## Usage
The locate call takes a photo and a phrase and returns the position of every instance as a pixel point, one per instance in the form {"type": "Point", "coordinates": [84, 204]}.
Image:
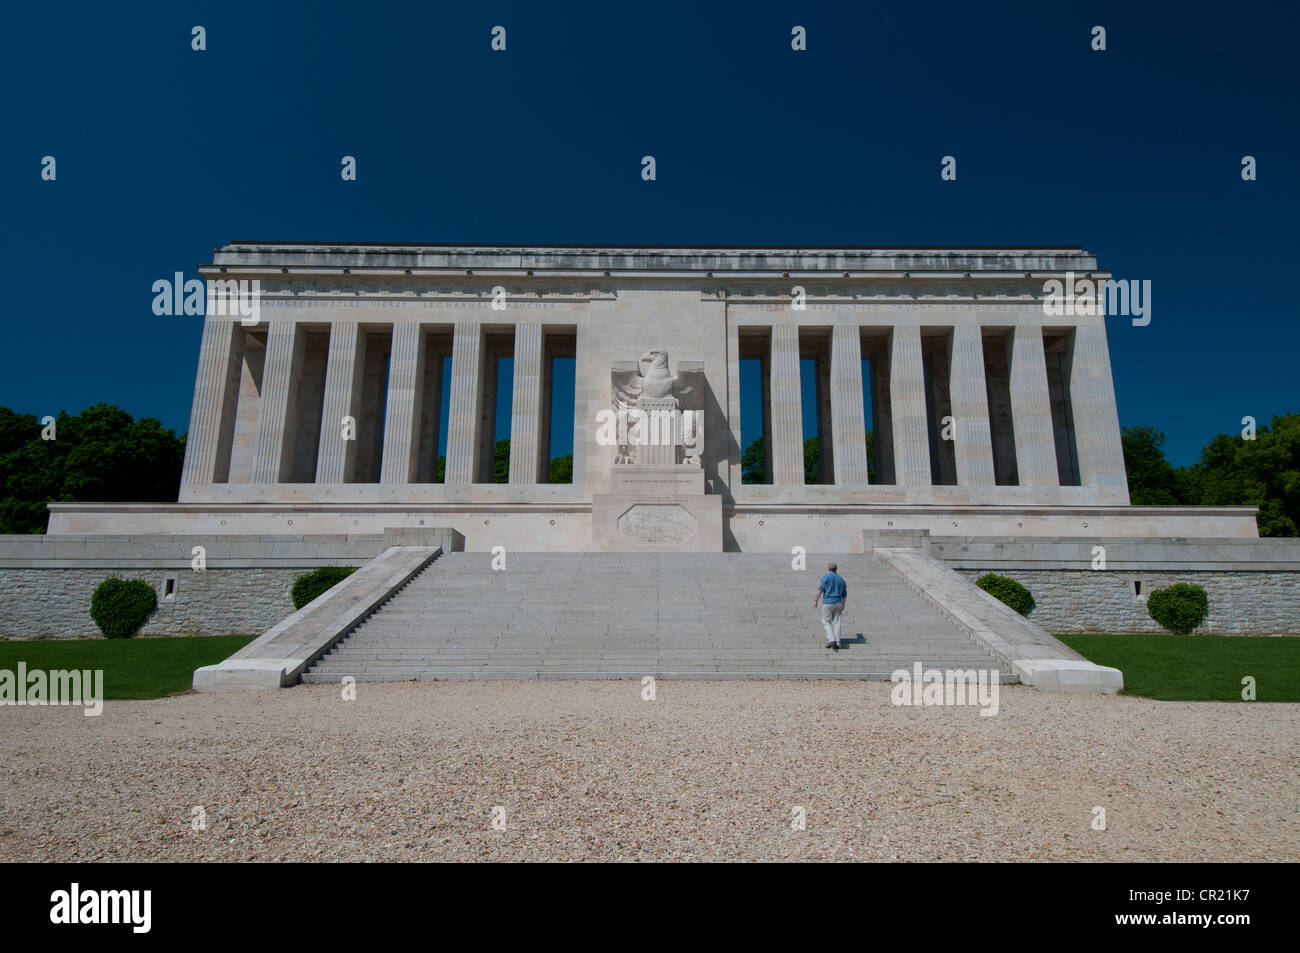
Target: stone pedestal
{"type": "Point", "coordinates": [656, 508]}
{"type": "Point", "coordinates": [660, 431]}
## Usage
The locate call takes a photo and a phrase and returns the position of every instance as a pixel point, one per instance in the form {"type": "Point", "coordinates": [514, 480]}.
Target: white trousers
{"type": "Point", "coordinates": [831, 620]}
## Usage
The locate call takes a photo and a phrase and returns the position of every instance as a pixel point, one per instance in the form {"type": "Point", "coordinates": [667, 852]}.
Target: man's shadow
{"type": "Point", "coordinates": [858, 639]}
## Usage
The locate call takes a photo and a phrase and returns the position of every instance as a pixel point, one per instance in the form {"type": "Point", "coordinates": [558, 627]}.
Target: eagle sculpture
{"type": "Point", "coordinates": [651, 379]}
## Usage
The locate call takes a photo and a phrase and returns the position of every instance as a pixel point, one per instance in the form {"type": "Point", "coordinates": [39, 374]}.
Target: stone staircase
{"type": "Point", "coordinates": [613, 615]}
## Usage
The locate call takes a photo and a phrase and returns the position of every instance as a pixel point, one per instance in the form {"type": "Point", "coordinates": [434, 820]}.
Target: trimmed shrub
{"type": "Point", "coordinates": [1008, 591]}
{"type": "Point", "coordinates": [121, 606]}
{"type": "Point", "coordinates": [310, 585]}
{"type": "Point", "coordinates": [1180, 608]}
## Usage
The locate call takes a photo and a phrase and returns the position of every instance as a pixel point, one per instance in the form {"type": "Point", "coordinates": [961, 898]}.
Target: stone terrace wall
{"type": "Point", "coordinates": [1253, 585]}
{"type": "Point", "coordinates": [1241, 602]}
{"type": "Point", "coordinates": [55, 603]}
{"type": "Point", "coordinates": [46, 581]}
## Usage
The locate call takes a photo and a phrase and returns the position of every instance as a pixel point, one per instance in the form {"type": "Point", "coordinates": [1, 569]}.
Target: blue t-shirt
{"type": "Point", "coordinates": [833, 588]}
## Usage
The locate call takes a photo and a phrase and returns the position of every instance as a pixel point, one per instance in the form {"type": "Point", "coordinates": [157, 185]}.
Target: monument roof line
{"type": "Point", "coordinates": [599, 246]}
{"type": "Point", "coordinates": [326, 271]}
{"type": "Point", "coordinates": [750, 262]}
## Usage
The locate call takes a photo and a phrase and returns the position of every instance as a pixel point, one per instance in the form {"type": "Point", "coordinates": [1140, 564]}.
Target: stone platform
{"type": "Point", "coordinates": [569, 526]}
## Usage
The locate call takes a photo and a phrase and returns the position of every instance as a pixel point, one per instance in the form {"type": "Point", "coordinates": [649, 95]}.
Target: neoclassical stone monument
{"type": "Point", "coordinates": [321, 412]}
{"type": "Point", "coordinates": [323, 416]}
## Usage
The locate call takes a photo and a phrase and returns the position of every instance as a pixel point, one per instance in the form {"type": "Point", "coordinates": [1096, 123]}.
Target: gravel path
{"type": "Point", "coordinates": [707, 771]}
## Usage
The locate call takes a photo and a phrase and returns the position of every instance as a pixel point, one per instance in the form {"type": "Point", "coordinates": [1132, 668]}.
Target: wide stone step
{"type": "Point", "coordinates": [565, 615]}
{"type": "Point", "coordinates": [534, 675]}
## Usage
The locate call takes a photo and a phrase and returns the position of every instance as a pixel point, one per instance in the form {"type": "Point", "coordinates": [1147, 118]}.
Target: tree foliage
{"type": "Point", "coordinates": [753, 463]}
{"type": "Point", "coordinates": [501, 461]}
{"type": "Point", "coordinates": [561, 469]}
{"type": "Point", "coordinates": [1232, 471]}
{"type": "Point", "coordinates": [1152, 480]}
{"type": "Point", "coordinates": [812, 461]}
{"type": "Point", "coordinates": [312, 584]}
{"type": "Point", "coordinates": [101, 455]}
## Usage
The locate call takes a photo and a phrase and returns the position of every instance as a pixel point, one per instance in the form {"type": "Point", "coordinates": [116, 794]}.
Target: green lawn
{"type": "Point", "coordinates": [1198, 667]}
{"type": "Point", "coordinates": [1166, 667]}
{"type": "Point", "coordinates": [133, 668]}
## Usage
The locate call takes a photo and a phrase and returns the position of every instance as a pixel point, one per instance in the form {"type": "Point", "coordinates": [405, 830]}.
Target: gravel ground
{"type": "Point", "coordinates": [706, 771]}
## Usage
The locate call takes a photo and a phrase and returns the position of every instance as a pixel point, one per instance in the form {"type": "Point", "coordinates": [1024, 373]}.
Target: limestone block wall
{"type": "Point", "coordinates": [41, 603]}
{"type": "Point", "coordinates": [55, 603]}
{"type": "Point", "coordinates": [46, 582]}
{"type": "Point", "coordinates": [1080, 600]}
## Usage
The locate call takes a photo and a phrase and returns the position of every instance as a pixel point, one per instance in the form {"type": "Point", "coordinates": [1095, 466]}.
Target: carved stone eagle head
{"type": "Point", "coordinates": [656, 380]}
{"type": "Point", "coordinates": [658, 361]}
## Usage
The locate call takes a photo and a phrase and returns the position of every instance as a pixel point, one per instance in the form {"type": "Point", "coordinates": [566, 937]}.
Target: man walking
{"type": "Point", "coordinates": [833, 592]}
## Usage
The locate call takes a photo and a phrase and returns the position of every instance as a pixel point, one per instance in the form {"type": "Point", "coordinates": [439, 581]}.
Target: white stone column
{"type": "Point", "coordinates": [1031, 409]}
{"type": "Point", "coordinates": [734, 470]}
{"type": "Point", "coordinates": [212, 415]}
{"type": "Point", "coordinates": [786, 452]}
{"type": "Point", "coordinates": [848, 421]}
{"type": "Point", "coordinates": [1096, 417]}
{"type": "Point", "coordinates": [402, 413]}
{"type": "Point", "coordinates": [526, 412]}
{"type": "Point", "coordinates": [907, 407]}
{"type": "Point", "coordinates": [336, 458]}
{"type": "Point", "coordinates": [462, 406]}
{"type": "Point", "coordinates": [970, 409]}
{"type": "Point", "coordinates": [590, 396]}
{"type": "Point", "coordinates": [278, 409]}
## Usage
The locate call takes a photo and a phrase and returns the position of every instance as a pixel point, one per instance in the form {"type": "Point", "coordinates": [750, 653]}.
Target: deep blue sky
{"type": "Point", "coordinates": [1134, 153]}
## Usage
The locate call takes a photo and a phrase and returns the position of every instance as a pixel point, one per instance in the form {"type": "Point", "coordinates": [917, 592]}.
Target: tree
{"type": "Point", "coordinates": [753, 463]}
{"type": "Point", "coordinates": [1232, 471]}
{"type": "Point", "coordinates": [1152, 480]}
{"type": "Point", "coordinates": [561, 469]}
{"type": "Point", "coordinates": [1263, 472]}
{"type": "Point", "coordinates": [871, 457]}
{"type": "Point", "coordinates": [812, 461]}
{"type": "Point", "coordinates": [101, 455]}
{"type": "Point", "coordinates": [501, 461]}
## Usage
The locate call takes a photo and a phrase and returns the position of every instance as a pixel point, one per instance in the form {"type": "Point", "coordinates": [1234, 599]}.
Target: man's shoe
{"type": "Point", "coordinates": [838, 646]}
{"type": "Point", "coordinates": [829, 644]}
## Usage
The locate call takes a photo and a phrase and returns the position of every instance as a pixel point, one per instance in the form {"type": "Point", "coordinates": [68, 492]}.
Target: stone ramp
{"type": "Point", "coordinates": [611, 615]}
{"type": "Point", "coordinates": [1036, 657]}
{"type": "Point", "coordinates": [280, 655]}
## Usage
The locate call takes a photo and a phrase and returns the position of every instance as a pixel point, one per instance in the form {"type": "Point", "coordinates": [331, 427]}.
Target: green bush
{"type": "Point", "coordinates": [1007, 590]}
{"type": "Point", "coordinates": [120, 606]}
{"type": "Point", "coordinates": [310, 585]}
{"type": "Point", "coordinates": [1180, 608]}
